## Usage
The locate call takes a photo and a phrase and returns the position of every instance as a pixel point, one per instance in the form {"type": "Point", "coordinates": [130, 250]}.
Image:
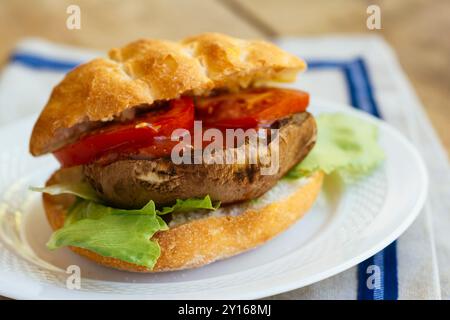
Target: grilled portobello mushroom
{"type": "Point", "coordinates": [131, 183]}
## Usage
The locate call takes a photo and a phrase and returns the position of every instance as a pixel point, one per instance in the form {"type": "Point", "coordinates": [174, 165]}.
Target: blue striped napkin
{"type": "Point", "coordinates": [361, 71]}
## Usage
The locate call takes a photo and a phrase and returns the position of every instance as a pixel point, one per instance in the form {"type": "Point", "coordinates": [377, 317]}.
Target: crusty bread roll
{"type": "Point", "coordinates": [194, 240]}
{"type": "Point", "coordinates": [146, 71]}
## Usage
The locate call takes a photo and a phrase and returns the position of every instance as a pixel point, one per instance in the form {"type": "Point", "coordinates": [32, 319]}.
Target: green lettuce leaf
{"type": "Point", "coordinates": [345, 144]}
{"type": "Point", "coordinates": [111, 232]}
{"type": "Point", "coordinates": [82, 209]}
{"type": "Point", "coordinates": [118, 233]}
{"type": "Point", "coordinates": [81, 189]}
{"type": "Point", "coordinates": [190, 205]}
{"type": "Point", "coordinates": [84, 191]}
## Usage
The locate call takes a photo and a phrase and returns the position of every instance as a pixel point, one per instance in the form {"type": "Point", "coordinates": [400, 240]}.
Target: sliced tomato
{"type": "Point", "coordinates": [149, 134]}
{"type": "Point", "coordinates": [250, 108]}
{"type": "Point", "coordinates": [143, 131]}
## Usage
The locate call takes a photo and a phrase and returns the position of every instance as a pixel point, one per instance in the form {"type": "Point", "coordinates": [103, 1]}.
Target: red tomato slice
{"type": "Point", "coordinates": [250, 108]}
{"type": "Point", "coordinates": [149, 134]}
{"type": "Point", "coordinates": [141, 132]}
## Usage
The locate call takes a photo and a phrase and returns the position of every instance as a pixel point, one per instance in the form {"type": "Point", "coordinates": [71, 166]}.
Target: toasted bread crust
{"type": "Point", "coordinates": [150, 70]}
{"type": "Point", "coordinates": [200, 242]}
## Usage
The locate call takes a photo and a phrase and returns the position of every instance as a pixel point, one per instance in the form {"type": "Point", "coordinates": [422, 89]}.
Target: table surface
{"type": "Point", "coordinates": [417, 30]}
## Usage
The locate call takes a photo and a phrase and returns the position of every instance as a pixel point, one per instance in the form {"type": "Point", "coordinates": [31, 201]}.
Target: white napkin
{"type": "Point", "coordinates": [423, 252]}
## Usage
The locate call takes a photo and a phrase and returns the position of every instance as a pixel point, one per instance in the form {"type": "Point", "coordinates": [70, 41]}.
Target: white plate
{"type": "Point", "coordinates": [339, 232]}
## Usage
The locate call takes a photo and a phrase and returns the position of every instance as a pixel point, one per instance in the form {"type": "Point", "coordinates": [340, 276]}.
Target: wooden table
{"type": "Point", "coordinates": [418, 30]}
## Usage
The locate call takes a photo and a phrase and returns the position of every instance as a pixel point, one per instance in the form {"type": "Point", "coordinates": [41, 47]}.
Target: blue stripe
{"type": "Point", "coordinates": [390, 274]}
{"type": "Point", "coordinates": [326, 64]}
{"type": "Point", "coordinates": [384, 263]}
{"type": "Point", "coordinates": [378, 292]}
{"type": "Point", "coordinates": [360, 87]}
{"type": "Point", "coordinates": [38, 62]}
{"type": "Point", "coordinates": [361, 96]}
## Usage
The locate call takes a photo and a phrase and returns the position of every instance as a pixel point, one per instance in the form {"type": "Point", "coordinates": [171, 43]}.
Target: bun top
{"type": "Point", "coordinates": [146, 71]}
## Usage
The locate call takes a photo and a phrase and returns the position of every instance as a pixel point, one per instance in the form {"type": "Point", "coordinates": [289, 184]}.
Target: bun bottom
{"type": "Point", "coordinates": [202, 241]}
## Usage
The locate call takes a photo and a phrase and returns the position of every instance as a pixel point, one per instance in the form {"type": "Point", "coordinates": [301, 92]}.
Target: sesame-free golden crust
{"type": "Point", "coordinates": [203, 241]}
{"type": "Point", "coordinates": [146, 71]}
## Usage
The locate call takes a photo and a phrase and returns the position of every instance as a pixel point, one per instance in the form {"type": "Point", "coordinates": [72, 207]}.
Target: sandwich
{"type": "Point", "coordinates": [148, 179]}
